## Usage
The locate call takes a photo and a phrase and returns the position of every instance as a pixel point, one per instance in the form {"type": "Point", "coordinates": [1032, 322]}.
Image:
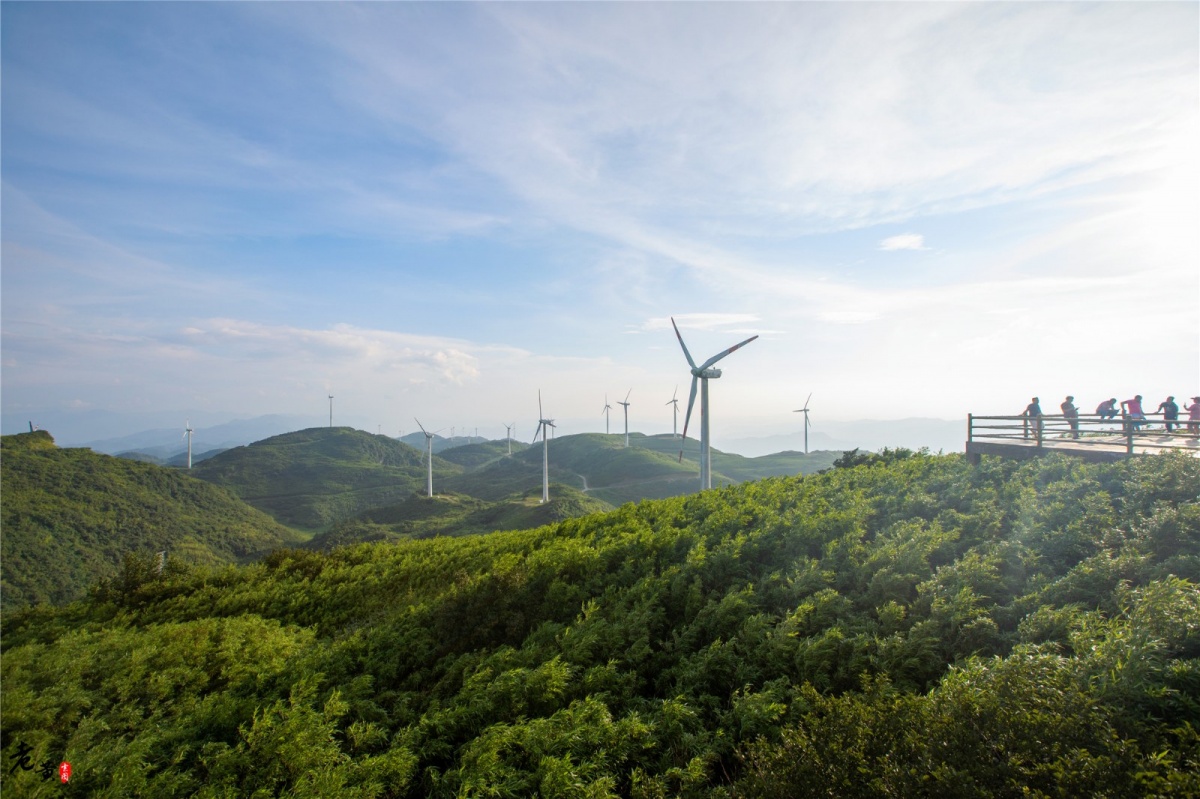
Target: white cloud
{"type": "Point", "coordinates": [905, 241]}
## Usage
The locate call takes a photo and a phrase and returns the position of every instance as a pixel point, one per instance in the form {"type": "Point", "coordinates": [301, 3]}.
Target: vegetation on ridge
{"type": "Point", "coordinates": [907, 625]}
{"type": "Point", "coordinates": [70, 516]}
{"type": "Point", "coordinates": [313, 478]}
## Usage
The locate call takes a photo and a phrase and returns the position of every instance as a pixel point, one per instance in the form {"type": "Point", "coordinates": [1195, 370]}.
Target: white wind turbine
{"type": "Point", "coordinates": [187, 432]}
{"type": "Point", "coordinates": [607, 408]}
{"type": "Point", "coordinates": [804, 411]}
{"type": "Point", "coordinates": [675, 419]}
{"type": "Point", "coordinates": [508, 428]}
{"type": "Point", "coordinates": [542, 430]}
{"type": "Point", "coordinates": [331, 410]}
{"type": "Point", "coordinates": [429, 446]}
{"type": "Point", "coordinates": [626, 405]}
{"type": "Point", "coordinates": [703, 374]}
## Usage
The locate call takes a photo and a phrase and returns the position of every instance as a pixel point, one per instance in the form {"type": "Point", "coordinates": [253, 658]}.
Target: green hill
{"type": "Point", "coordinates": [70, 516]}
{"type": "Point", "coordinates": [457, 514]}
{"type": "Point", "coordinates": [900, 625]}
{"type": "Point", "coordinates": [473, 456]}
{"type": "Point", "coordinates": [313, 478]}
{"type": "Point", "coordinates": [605, 468]}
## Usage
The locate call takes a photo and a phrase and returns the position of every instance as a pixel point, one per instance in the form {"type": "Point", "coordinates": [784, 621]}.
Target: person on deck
{"type": "Point", "coordinates": [1131, 410]}
{"type": "Point", "coordinates": [1033, 418]}
{"type": "Point", "coordinates": [1071, 413]}
{"type": "Point", "coordinates": [1107, 409]}
{"type": "Point", "coordinates": [1170, 412]}
{"type": "Point", "coordinates": [1193, 416]}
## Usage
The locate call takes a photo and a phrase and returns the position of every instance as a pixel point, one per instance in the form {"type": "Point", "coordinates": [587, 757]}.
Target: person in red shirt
{"type": "Point", "coordinates": [1131, 409]}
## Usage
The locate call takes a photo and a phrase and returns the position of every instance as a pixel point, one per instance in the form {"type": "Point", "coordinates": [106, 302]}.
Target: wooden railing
{"type": "Point", "coordinates": [1087, 431]}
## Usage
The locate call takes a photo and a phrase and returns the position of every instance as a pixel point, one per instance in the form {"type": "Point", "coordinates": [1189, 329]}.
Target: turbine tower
{"type": "Point", "coordinates": [626, 404]}
{"type": "Point", "coordinates": [607, 408]}
{"type": "Point", "coordinates": [331, 410]}
{"type": "Point", "coordinates": [543, 424]}
{"type": "Point", "coordinates": [508, 428]}
{"type": "Point", "coordinates": [187, 432]}
{"type": "Point", "coordinates": [702, 374]}
{"type": "Point", "coordinates": [804, 411]}
{"type": "Point", "coordinates": [675, 419]}
{"type": "Point", "coordinates": [429, 446]}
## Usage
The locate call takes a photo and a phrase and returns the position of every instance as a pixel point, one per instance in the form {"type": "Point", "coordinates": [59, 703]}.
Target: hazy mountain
{"type": "Point", "coordinates": [935, 434]}
{"type": "Point", "coordinates": [164, 443]}
{"type": "Point", "coordinates": [71, 515]}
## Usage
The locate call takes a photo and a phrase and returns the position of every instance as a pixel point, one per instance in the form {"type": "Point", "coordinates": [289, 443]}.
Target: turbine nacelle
{"type": "Point", "coordinates": [707, 374]}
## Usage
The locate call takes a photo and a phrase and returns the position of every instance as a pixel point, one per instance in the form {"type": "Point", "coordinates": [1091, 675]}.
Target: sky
{"type": "Point", "coordinates": [437, 210]}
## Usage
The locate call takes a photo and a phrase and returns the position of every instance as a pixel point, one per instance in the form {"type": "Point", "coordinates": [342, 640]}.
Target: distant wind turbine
{"type": "Point", "coordinates": [804, 411]}
{"type": "Point", "coordinates": [543, 430]}
{"type": "Point", "coordinates": [429, 446]}
{"type": "Point", "coordinates": [187, 432]}
{"type": "Point", "coordinates": [331, 410]}
{"type": "Point", "coordinates": [675, 419]}
{"type": "Point", "coordinates": [702, 374]}
{"type": "Point", "coordinates": [626, 405]}
{"type": "Point", "coordinates": [607, 408]}
{"type": "Point", "coordinates": [508, 428]}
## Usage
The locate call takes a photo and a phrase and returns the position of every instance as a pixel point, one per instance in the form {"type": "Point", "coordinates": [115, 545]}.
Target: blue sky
{"type": "Point", "coordinates": [435, 210]}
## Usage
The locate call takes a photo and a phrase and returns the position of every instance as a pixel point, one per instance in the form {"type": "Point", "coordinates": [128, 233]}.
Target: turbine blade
{"type": "Point", "coordinates": [686, 354]}
{"type": "Point", "coordinates": [418, 421]}
{"type": "Point", "coordinates": [691, 401]}
{"type": "Point", "coordinates": [540, 414]}
{"type": "Point", "coordinates": [718, 357]}
{"type": "Point", "coordinates": [806, 401]}
{"type": "Point", "coordinates": [535, 435]}
{"type": "Point", "coordinates": [627, 397]}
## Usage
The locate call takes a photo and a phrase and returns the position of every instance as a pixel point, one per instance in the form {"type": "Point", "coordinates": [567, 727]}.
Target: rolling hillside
{"type": "Point", "coordinates": [603, 467]}
{"type": "Point", "coordinates": [70, 516]}
{"type": "Point", "coordinates": [901, 625]}
{"type": "Point", "coordinates": [313, 478]}
{"type": "Point", "coordinates": [319, 478]}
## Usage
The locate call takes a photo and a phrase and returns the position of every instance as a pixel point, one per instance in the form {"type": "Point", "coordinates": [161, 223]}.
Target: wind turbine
{"type": "Point", "coordinates": [607, 408]}
{"type": "Point", "coordinates": [675, 420]}
{"type": "Point", "coordinates": [804, 411]}
{"type": "Point", "coordinates": [187, 432]}
{"type": "Point", "coordinates": [626, 404]}
{"type": "Point", "coordinates": [703, 374]}
{"type": "Point", "coordinates": [429, 446]}
{"type": "Point", "coordinates": [331, 410]}
{"type": "Point", "coordinates": [508, 428]}
{"type": "Point", "coordinates": [543, 424]}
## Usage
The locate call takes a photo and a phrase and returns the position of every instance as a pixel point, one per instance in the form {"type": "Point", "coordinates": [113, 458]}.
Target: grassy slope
{"type": "Point", "coordinates": [313, 478]}
{"type": "Point", "coordinates": [70, 516]}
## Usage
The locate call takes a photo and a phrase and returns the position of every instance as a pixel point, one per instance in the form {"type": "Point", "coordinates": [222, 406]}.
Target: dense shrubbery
{"type": "Point", "coordinates": [908, 625]}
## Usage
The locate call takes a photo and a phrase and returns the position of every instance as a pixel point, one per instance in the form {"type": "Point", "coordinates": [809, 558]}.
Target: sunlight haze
{"type": "Point", "coordinates": [434, 210]}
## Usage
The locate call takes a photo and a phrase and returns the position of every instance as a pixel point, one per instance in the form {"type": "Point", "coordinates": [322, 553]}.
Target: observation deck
{"type": "Point", "coordinates": [1093, 437]}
